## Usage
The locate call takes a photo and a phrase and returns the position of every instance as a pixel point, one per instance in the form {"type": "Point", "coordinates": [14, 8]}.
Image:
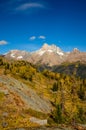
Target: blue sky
{"type": "Point", "coordinates": [28, 24]}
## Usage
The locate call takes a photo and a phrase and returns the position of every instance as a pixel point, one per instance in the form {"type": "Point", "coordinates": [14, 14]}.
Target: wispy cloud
{"type": "Point", "coordinates": [3, 42]}
{"type": "Point", "coordinates": [32, 38]}
{"type": "Point", "coordinates": [27, 6]}
{"type": "Point", "coordinates": [42, 37]}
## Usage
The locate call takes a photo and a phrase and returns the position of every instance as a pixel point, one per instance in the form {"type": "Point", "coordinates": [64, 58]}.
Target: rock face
{"type": "Point", "coordinates": [76, 55]}
{"type": "Point", "coordinates": [26, 94]}
{"type": "Point", "coordinates": [38, 121]}
{"type": "Point", "coordinates": [48, 55]}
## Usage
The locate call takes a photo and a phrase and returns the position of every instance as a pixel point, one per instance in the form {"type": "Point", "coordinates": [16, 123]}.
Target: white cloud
{"type": "Point", "coordinates": [26, 6]}
{"type": "Point", "coordinates": [3, 42]}
{"type": "Point", "coordinates": [42, 37]}
{"type": "Point", "coordinates": [32, 38]}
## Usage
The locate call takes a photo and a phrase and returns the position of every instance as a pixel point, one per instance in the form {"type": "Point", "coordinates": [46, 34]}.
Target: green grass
{"type": "Point", "coordinates": [1, 96]}
{"type": "Point", "coordinates": [35, 113]}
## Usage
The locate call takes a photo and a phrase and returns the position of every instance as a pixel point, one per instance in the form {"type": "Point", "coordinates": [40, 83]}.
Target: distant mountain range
{"type": "Point", "coordinates": [49, 55]}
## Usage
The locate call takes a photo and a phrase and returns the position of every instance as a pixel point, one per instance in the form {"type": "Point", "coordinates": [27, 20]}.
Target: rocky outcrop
{"type": "Point", "coordinates": [26, 94]}
{"type": "Point", "coordinates": [38, 121]}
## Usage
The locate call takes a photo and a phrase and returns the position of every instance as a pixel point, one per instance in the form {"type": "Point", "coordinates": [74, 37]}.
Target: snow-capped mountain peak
{"type": "Point", "coordinates": [50, 49]}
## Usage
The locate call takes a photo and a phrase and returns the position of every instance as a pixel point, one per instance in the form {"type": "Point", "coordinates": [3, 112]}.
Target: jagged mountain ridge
{"type": "Point", "coordinates": [50, 49]}
{"type": "Point", "coordinates": [49, 55]}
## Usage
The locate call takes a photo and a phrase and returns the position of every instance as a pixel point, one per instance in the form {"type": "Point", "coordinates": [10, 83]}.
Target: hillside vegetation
{"type": "Point", "coordinates": [77, 68]}
{"type": "Point", "coordinates": [65, 95]}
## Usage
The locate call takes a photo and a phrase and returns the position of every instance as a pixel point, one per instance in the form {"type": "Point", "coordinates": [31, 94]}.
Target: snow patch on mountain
{"type": "Point", "coordinates": [40, 52]}
{"type": "Point", "coordinates": [60, 53]}
{"type": "Point", "coordinates": [20, 57]}
{"type": "Point", "coordinates": [12, 55]}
